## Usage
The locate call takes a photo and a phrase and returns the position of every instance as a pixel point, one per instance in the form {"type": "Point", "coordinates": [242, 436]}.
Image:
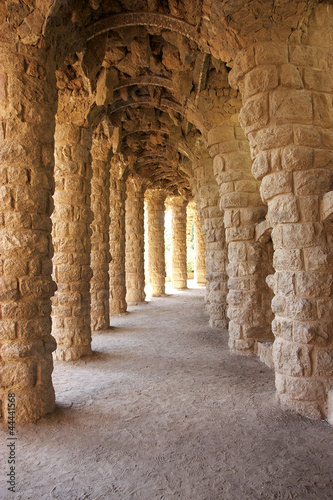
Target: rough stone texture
{"type": "Point", "coordinates": [100, 246]}
{"type": "Point", "coordinates": [117, 270]}
{"type": "Point", "coordinates": [292, 156]}
{"type": "Point", "coordinates": [158, 73]}
{"type": "Point", "coordinates": [250, 261]}
{"type": "Point", "coordinates": [178, 221]}
{"type": "Point", "coordinates": [155, 221]}
{"type": "Point", "coordinates": [26, 285]}
{"type": "Point", "coordinates": [71, 218]}
{"type": "Point", "coordinates": [200, 250]}
{"type": "Point", "coordinates": [134, 218]}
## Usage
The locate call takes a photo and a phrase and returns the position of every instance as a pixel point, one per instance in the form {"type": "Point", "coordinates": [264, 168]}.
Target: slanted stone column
{"type": "Point", "coordinates": [199, 249]}
{"type": "Point", "coordinates": [71, 235]}
{"type": "Point", "coordinates": [156, 252]}
{"type": "Point", "coordinates": [135, 273]}
{"type": "Point", "coordinates": [100, 247]}
{"type": "Point", "coordinates": [287, 115]}
{"type": "Point", "coordinates": [250, 261]}
{"type": "Point", "coordinates": [118, 303]}
{"type": "Point", "coordinates": [179, 265]}
{"type": "Point", "coordinates": [26, 285]}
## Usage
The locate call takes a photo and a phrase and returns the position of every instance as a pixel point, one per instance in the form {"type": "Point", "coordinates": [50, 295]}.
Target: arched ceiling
{"type": "Point", "coordinates": [155, 68]}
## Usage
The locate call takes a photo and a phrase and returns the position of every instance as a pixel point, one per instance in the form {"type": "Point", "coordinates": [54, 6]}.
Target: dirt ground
{"type": "Point", "coordinates": [162, 410]}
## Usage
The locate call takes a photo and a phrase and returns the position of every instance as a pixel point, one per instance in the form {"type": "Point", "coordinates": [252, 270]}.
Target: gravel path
{"type": "Point", "coordinates": [162, 410]}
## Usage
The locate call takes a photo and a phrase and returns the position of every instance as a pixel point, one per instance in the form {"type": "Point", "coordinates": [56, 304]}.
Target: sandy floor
{"type": "Point", "coordinates": [163, 411]}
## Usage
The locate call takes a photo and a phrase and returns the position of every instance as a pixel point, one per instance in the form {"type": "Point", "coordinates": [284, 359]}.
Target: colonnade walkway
{"type": "Point", "coordinates": [162, 410]}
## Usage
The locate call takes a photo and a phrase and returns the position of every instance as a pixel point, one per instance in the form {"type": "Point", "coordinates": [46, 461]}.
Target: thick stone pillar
{"type": "Point", "coordinates": [117, 271]}
{"type": "Point", "coordinates": [287, 115]}
{"type": "Point", "coordinates": [100, 246]}
{"type": "Point", "coordinates": [135, 273]}
{"type": "Point", "coordinates": [71, 236]}
{"type": "Point", "coordinates": [199, 249]}
{"type": "Point", "coordinates": [250, 261]}
{"type": "Point", "coordinates": [26, 285]}
{"type": "Point", "coordinates": [178, 221]}
{"type": "Point", "coordinates": [156, 252]}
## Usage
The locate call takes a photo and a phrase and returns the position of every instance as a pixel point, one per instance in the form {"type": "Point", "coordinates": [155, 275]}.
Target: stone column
{"type": "Point", "coordinates": [190, 216]}
{"type": "Point", "coordinates": [250, 261]}
{"type": "Point", "coordinates": [100, 246]}
{"type": "Point", "coordinates": [28, 106]}
{"type": "Point", "coordinates": [135, 273]}
{"type": "Point", "coordinates": [71, 235]}
{"type": "Point", "coordinates": [117, 272]}
{"type": "Point", "coordinates": [156, 252]}
{"type": "Point", "coordinates": [287, 114]}
{"type": "Point", "coordinates": [199, 248]}
{"type": "Point", "coordinates": [178, 221]}
{"type": "Point", "coordinates": [206, 195]}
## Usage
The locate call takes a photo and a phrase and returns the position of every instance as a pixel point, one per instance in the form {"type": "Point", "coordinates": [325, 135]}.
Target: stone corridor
{"type": "Point", "coordinates": [114, 111]}
{"type": "Point", "coordinates": [146, 424]}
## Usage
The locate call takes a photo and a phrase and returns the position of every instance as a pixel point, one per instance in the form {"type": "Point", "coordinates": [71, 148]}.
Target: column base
{"type": "Point", "coordinates": [33, 404]}
{"type": "Point", "coordinates": [72, 353]}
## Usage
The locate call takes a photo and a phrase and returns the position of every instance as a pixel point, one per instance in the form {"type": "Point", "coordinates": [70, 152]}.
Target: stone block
{"type": "Point", "coordinates": [290, 76]}
{"type": "Point", "coordinates": [283, 328]}
{"type": "Point", "coordinates": [313, 285]}
{"type": "Point", "coordinates": [276, 183]}
{"type": "Point", "coordinates": [286, 282]}
{"type": "Point", "coordinates": [6, 198]}
{"type": "Point", "coordinates": [291, 359]}
{"type": "Point", "coordinates": [282, 209]}
{"type": "Point", "coordinates": [254, 114]}
{"type": "Point", "coordinates": [296, 158]}
{"type": "Point", "coordinates": [294, 106]}
{"type": "Point", "coordinates": [309, 208]}
{"type": "Point", "coordinates": [323, 110]}
{"type": "Point", "coordinates": [287, 260]}
{"type": "Point", "coordinates": [8, 289]}
{"type": "Point", "coordinates": [7, 330]}
{"type": "Point", "coordinates": [325, 309]}
{"type": "Point", "coordinates": [303, 235]}
{"type": "Point", "coordinates": [273, 52]}
{"type": "Point", "coordinates": [324, 363]}
{"type": "Point", "coordinates": [312, 182]}
{"type": "Point", "coordinates": [220, 134]}
{"type": "Point", "coordinates": [306, 135]}
{"type": "Point", "coordinates": [262, 79]}
{"type": "Point", "coordinates": [261, 165]}
{"type": "Point", "coordinates": [320, 80]}
{"type": "Point", "coordinates": [278, 304]}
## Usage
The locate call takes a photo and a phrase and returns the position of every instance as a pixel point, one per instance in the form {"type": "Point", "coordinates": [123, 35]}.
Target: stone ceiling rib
{"type": "Point", "coordinates": [141, 19]}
